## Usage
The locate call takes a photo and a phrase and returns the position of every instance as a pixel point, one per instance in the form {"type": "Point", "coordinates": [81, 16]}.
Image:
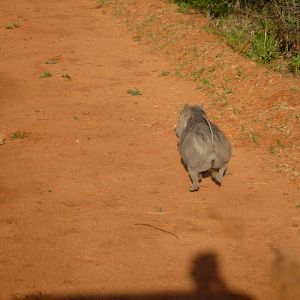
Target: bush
{"type": "Point", "coordinates": [264, 47]}
{"type": "Point", "coordinates": [294, 64]}
{"type": "Point", "coordinates": [215, 8]}
{"type": "Point", "coordinates": [263, 30]}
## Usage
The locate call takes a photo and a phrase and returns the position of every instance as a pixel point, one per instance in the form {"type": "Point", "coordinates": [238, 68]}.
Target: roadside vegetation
{"type": "Point", "coordinates": [266, 31]}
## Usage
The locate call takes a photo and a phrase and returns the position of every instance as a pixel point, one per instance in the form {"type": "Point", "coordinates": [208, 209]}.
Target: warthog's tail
{"type": "Point", "coordinates": [211, 131]}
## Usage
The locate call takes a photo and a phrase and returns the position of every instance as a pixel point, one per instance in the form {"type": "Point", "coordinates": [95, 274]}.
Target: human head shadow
{"type": "Point", "coordinates": [205, 272]}
{"type": "Point", "coordinates": [210, 284]}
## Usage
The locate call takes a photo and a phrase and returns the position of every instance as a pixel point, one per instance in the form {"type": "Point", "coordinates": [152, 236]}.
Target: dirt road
{"type": "Point", "coordinates": [96, 161]}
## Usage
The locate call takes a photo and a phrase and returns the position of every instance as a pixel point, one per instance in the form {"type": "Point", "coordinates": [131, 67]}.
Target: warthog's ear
{"type": "Point", "coordinates": [186, 108]}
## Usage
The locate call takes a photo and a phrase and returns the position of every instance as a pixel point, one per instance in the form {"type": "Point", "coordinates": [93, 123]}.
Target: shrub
{"type": "Point", "coordinates": [294, 64]}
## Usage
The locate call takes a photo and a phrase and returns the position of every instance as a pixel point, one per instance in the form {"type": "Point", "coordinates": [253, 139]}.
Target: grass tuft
{"type": "Point", "coordinates": [294, 64]}
{"type": "Point", "coordinates": [134, 92]}
{"type": "Point", "coordinates": [46, 74]}
{"type": "Point", "coordinates": [18, 135]}
{"type": "Point", "coordinates": [102, 3]}
{"type": "Point", "coordinates": [255, 136]}
{"type": "Point", "coordinates": [164, 73]}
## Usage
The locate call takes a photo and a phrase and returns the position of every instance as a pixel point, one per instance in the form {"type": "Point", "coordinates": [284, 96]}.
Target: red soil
{"type": "Point", "coordinates": [97, 161]}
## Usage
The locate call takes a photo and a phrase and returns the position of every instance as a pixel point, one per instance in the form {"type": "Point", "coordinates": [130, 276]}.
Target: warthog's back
{"type": "Point", "coordinates": [199, 147]}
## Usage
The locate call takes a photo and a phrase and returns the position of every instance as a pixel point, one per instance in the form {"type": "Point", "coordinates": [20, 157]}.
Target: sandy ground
{"type": "Point", "coordinates": [94, 201]}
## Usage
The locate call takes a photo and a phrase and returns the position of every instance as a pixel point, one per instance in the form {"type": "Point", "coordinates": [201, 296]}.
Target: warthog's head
{"type": "Point", "coordinates": [187, 118]}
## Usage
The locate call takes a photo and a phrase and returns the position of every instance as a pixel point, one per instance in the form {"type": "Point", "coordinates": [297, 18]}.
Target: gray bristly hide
{"type": "Point", "coordinates": [202, 145]}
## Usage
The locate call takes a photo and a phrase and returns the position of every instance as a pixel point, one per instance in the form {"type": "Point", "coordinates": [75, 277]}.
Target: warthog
{"type": "Point", "coordinates": [202, 145]}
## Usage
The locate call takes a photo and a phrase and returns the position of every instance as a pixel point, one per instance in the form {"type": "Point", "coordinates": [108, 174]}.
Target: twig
{"type": "Point", "coordinates": [149, 225]}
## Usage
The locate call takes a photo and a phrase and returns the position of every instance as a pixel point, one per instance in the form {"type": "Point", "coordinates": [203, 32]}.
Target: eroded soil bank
{"type": "Point", "coordinates": [261, 107]}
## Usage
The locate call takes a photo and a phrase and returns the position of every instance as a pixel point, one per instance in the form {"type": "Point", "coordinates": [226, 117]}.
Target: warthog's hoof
{"type": "Point", "coordinates": [193, 189]}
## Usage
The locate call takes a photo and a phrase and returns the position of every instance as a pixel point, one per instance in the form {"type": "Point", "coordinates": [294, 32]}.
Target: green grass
{"type": "Point", "coordinates": [227, 91]}
{"type": "Point", "coordinates": [272, 150]}
{"type": "Point", "coordinates": [146, 22]}
{"type": "Point", "coordinates": [197, 74]}
{"type": "Point", "coordinates": [293, 89]}
{"type": "Point", "coordinates": [236, 38]}
{"type": "Point", "coordinates": [206, 81]}
{"type": "Point", "coordinates": [260, 46]}
{"type": "Point", "coordinates": [164, 73]}
{"type": "Point", "coordinates": [134, 92]}
{"type": "Point", "coordinates": [255, 136]}
{"type": "Point", "coordinates": [210, 7]}
{"type": "Point", "coordinates": [294, 64]}
{"type": "Point", "coordinates": [18, 135]}
{"type": "Point", "coordinates": [46, 74]}
{"type": "Point", "coordinates": [184, 7]}
{"type": "Point", "coordinates": [264, 47]}
{"type": "Point", "coordinates": [101, 3]}
{"type": "Point", "coordinates": [263, 32]}
{"type": "Point", "coordinates": [178, 73]}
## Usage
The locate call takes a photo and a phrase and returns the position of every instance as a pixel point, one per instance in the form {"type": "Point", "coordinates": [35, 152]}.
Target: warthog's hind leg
{"type": "Point", "coordinates": [194, 175]}
{"type": "Point", "coordinates": [218, 175]}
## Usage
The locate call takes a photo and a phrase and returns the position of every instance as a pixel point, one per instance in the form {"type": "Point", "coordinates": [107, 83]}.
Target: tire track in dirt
{"type": "Point", "coordinates": [97, 161]}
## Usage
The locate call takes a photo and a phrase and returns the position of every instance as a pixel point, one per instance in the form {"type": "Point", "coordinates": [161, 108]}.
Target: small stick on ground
{"type": "Point", "coordinates": [149, 225]}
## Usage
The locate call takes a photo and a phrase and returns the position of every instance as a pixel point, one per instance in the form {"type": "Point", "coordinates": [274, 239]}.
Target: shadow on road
{"type": "Point", "coordinates": [205, 272]}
